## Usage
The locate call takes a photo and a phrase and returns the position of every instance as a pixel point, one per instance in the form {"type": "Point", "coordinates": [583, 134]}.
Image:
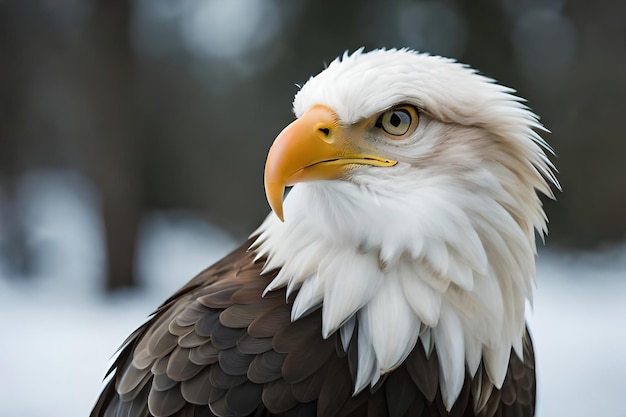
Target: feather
{"type": "Point", "coordinates": [220, 379]}
{"type": "Point", "coordinates": [306, 351]}
{"type": "Point", "coordinates": [270, 322]}
{"type": "Point", "coordinates": [165, 403]}
{"type": "Point", "coordinates": [400, 392]}
{"type": "Point", "coordinates": [483, 393]}
{"type": "Point", "coordinates": [241, 315]}
{"type": "Point", "coordinates": [135, 392]}
{"type": "Point", "coordinates": [336, 388]}
{"type": "Point", "coordinates": [451, 355]}
{"type": "Point", "coordinates": [161, 342]}
{"type": "Point", "coordinates": [460, 406]}
{"type": "Point", "coordinates": [360, 280]}
{"type": "Point", "coordinates": [220, 408]}
{"type": "Point", "coordinates": [460, 273]}
{"type": "Point", "coordinates": [179, 367]}
{"type": "Point", "coordinates": [304, 360]}
{"type": "Point", "coordinates": [233, 362]}
{"type": "Point", "coordinates": [298, 333]}
{"type": "Point", "coordinates": [393, 340]}
{"type": "Point", "coordinates": [437, 254]}
{"type": "Point", "coordinates": [421, 297]}
{"type": "Point", "coordinates": [254, 346]}
{"type": "Point", "coordinates": [130, 379]}
{"type": "Point", "coordinates": [424, 371]}
{"type": "Point", "coordinates": [220, 298]}
{"type": "Point", "coordinates": [346, 333]}
{"type": "Point", "coordinates": [206, 323]}
{"type": "Point", "coordinates": [427, 341]}
{"type": "Point", "coordinates": [215, 393]}
{"type": "Point", "coordinates": [473, 353]}
{"type": "Point", "coordinates": [162, 382]}
{"type": "Point", "coordinates": [195, 390]}
{"type": "Point", "coordinates": [204, 354]}
{"type": "Point", "coordinates": [224, 337]}
{"type": "Point", "coordinates": [243, 399]}
{"type": "Point", "coordinates": [112, 408]}
{"type": "Point", "coordinates": [496, 364]}
{"type": "Point", "coordinates": [252, 292]}
{"type": "Point", "coordinates": [191, 314]}
{"type": "Point", "coordinates": [136, 408]}
{"type": "Point", "coordinates": [160, 366]}
{"type": "Point", "coordinates": [303, 410]}
{"type": "Point", "coordinates": [277, 396]}
{"type": "Point", "coordinates": [309, 388]}
{"type": "Point", "coordinates": [142, 358]}
{"type": "Point", "coordinates": [176, 329]}
{"type": "Point", "coordinates": [366, 370]}
{"type": "Point", "coordinates": [309, 298]}
{"type": "Point", "coordinates": [202, 412]}
{"type": "Point", "coordinates": [266, 367]}
{"type": "Point", "coordinates": [192, 340]}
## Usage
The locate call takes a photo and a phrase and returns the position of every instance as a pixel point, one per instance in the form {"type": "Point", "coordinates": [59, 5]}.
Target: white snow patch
{"type": "Point", "coordinates": [59, 333]}
{"type": "Point", "coordinates": [579, 329]}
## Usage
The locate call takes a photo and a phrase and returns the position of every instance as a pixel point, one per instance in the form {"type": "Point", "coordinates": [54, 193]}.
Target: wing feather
{"type": "Point", "coordinates": [279, 396]}
{"type": "Point", "coordinates": [254, 346]}
{"type": "Point", "coordinates": [204, 354]}
{"type": "Point", "coordinates": [165, 403]}
{"type": "Point", "coordinates": [195, 390]}
{"type": "Point", "coordinates": [266, 367]}
{"type": "Point", "coordinates": [234, 362]}
{"type": "Point", "coordinates": [221, 348]}
{"type": "Point", "coordinates": [244, 399]}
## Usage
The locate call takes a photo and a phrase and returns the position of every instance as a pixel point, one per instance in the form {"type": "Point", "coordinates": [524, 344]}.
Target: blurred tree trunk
{"type": "Point", "coordinates": [489, 46]}
{"type": "Point", "coordinates": [13, 241]}
{"type": "Point", "coordinates": [590, 116]}
{"type": "Point", "coordinates": [113, 144]}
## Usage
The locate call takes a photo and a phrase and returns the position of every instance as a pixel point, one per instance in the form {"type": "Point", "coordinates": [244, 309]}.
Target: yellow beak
{"type": "Point", "coordinates": [313, 147]}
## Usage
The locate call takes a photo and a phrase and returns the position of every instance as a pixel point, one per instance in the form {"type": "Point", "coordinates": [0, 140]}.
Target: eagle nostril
{"type": "Point", "coordinates": [325, 131]}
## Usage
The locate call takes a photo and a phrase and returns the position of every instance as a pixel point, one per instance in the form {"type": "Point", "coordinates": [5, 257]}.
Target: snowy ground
{"type": "Point", "coordinates": [59, 332]}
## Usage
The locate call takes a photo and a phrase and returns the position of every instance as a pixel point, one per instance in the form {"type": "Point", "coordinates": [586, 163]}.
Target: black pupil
{"type": "Point", "coordinates": [397, 117]}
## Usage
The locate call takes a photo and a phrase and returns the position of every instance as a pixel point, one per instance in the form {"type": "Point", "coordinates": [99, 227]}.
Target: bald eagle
{"type": "Point", "coordinates": [391, 281]}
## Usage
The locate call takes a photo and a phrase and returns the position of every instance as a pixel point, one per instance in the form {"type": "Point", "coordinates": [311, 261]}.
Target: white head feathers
{"type": "Point", "coordinates": [439, 248]}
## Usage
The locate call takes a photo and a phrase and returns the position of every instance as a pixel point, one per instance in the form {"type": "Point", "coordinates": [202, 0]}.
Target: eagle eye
{"type": "Point", "coordinates": [398, 122]}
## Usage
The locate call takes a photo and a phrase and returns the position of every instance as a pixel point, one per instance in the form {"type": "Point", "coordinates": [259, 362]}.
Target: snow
{"type": "Point", "coordinates": [60, 332]}
{"type": "Point", "coordinates": [579, 328]}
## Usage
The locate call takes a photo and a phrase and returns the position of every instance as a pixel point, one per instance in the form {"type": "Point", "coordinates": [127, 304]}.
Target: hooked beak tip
{"type": "Point", "coordinates": [274, 193]}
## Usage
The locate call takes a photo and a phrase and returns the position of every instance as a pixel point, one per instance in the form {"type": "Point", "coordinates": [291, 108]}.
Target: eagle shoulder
{"type": "Point", "coordinates": [219, 347]}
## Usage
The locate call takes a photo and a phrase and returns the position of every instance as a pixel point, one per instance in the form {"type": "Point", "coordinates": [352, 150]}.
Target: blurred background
{"type": "Point", "coordinates": [133, 136]}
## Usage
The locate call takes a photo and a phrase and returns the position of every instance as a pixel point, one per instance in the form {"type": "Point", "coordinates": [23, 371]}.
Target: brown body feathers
{"type": "Point", "coordinates": [218, 348]}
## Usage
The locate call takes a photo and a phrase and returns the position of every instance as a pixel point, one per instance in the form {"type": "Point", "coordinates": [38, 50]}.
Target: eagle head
{"type": "Point", "coordinates": [413, 212]}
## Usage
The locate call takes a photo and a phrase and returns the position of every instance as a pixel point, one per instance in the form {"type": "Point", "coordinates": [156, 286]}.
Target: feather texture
{"type": "Point", "coordinates": [395, 291]}
{"type": "Point", "coordinates": [290, 372]}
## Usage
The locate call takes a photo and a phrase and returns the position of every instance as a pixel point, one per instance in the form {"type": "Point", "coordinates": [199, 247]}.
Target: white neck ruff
{"type": "Point", "coordinates": [447, 262]}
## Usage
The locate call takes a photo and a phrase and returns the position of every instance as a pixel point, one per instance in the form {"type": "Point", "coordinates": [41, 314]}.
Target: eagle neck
{"type": "Point", "coordinates": [453, 279]}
